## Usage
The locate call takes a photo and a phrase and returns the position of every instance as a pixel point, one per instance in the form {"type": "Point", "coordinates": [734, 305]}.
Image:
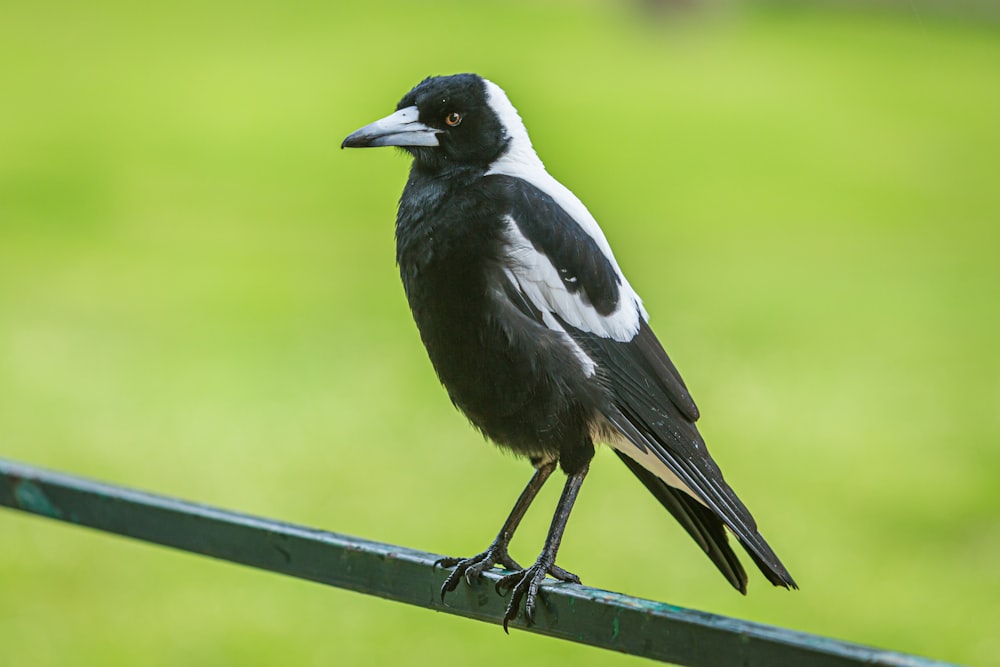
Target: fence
{"type": "Point", "coordinates": [571, 612]}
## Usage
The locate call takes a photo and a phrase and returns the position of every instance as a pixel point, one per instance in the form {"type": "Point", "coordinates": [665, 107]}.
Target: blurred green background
{"type": "Point", "coordinates": [198, 297]}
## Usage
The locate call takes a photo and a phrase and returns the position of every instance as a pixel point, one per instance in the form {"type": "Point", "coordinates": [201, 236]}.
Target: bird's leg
{"type": "Point", "coordinates": [524, 584]}
{"type": "Point", "coordinates": [473, 567]}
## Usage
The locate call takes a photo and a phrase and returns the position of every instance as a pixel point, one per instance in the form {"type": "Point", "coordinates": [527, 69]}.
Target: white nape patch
{"type": "Point", "coordinates": [540, 281]}
{"type": "Point", "coordinates": [648, 460]}
{"type": "Point", "coordinates": [589, 367]}
{"type": "Point", "coordinates": [521, 161]}
{"type": "Point", "coordinates": [520, 150]}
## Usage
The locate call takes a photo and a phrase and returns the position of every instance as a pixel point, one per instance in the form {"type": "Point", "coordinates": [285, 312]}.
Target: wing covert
{"type": "Point", "coordinates": [560, 266]}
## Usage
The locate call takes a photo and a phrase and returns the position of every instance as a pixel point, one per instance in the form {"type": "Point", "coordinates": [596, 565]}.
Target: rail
{"type": "Point", "coordinates": [571, 612]}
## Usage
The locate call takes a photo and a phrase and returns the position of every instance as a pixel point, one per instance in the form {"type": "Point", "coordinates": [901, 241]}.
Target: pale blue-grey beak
{"type": "Point", "coordinates": [402, 128]}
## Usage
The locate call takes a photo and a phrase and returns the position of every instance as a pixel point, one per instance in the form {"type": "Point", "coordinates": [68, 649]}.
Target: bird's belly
{"type": "Point", "coordinates": [522, 387]}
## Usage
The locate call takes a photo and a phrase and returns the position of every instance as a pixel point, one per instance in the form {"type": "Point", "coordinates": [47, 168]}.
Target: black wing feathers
{"type": "Point", "coordinates": [647, 412]}
{"type": "Point", "coordinates": [658, 363]}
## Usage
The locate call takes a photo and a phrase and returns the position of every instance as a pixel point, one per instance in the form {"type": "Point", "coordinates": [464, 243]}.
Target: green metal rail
{"type": "Point", "coordinates": [576, 613]}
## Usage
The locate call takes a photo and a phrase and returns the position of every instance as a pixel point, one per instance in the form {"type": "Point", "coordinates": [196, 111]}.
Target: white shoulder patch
{"type": "Point", "coordinates": [540, 282]}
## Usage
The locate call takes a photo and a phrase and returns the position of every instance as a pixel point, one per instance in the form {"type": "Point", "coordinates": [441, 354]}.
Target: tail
{"type": "Point", "coordinates": [709, 531]}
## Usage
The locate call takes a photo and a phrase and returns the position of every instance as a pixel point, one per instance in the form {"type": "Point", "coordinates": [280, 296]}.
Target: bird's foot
{"type": "Point", "coordinates": [472, 568]}
{"type": "Point", "coordinates": [524, 586]}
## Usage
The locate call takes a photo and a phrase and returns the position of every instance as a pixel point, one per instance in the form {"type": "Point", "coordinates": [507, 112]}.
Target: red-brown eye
{"type": "Point", "coordinates": [453, 119]}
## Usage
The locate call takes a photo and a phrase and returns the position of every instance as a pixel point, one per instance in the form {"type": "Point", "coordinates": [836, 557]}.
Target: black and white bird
{"type": "Point", "coordinates": [537, 335]}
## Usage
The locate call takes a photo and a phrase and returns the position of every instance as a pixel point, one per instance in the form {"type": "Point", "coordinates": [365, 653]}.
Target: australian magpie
{"type": "Point", "coordinates": [537, 335]}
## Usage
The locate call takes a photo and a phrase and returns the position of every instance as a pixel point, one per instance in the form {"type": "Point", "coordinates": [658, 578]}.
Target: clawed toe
{"type": "Point", "coordinates": [524, 585]}
{"type": "Point", "coordinates": [473, 572]}
{"type": "Point", "coordinates": [563, 575]}
{"type": "Point", "coordinates": [472, 568]}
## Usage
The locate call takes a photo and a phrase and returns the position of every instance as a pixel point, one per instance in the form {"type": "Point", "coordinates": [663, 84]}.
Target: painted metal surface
{"type": "Point", "coordinates": [577, 613]}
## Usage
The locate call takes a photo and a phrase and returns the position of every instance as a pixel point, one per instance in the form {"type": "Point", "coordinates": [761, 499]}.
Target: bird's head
{"type": "Point", "coordinates": [456, 122]}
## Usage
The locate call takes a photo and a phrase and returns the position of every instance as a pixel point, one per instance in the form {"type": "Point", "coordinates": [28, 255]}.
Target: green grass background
{"type": "Point", "coordinates": [198, 297]}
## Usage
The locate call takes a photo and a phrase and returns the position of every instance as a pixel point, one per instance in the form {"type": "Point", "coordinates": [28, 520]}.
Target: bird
{"type": "Point", "coordinates": [536, 334]}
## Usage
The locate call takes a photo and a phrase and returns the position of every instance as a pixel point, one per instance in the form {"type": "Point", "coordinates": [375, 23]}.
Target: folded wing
{"type": "Point", "coordinates": [561, 275]}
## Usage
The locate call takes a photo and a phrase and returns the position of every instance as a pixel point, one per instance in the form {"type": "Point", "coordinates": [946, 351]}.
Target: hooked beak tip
{"type": "Point", "coordinates": [358, 139]}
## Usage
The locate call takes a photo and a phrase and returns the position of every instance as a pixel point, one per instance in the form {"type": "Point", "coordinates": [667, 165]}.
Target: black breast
{"type": "Point", "coordinates": [515, 380]}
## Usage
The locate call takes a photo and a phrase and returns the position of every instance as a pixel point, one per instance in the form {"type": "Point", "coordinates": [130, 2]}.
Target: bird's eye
{"type": "Point", "coordinates": [453, 119]}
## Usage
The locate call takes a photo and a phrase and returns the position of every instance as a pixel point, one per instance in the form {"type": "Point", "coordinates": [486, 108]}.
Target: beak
{"type": "Point", "coordinates": [399, 129]}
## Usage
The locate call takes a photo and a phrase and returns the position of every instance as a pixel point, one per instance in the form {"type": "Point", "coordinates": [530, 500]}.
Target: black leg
{"type": "Point", "coordinates": [524, 584]}
{"type": "Point", "coordinates": [471, 568]}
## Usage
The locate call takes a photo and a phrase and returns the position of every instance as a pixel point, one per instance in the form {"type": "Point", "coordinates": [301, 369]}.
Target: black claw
{"type": "Point", "coordinates": [510, 613]}
{"type": "Point", "coordinates": [449, 584]}
{"type": "Point", "coordinates": [563, 575]}
{"type": "Point", "coordinates": [471, 569]}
